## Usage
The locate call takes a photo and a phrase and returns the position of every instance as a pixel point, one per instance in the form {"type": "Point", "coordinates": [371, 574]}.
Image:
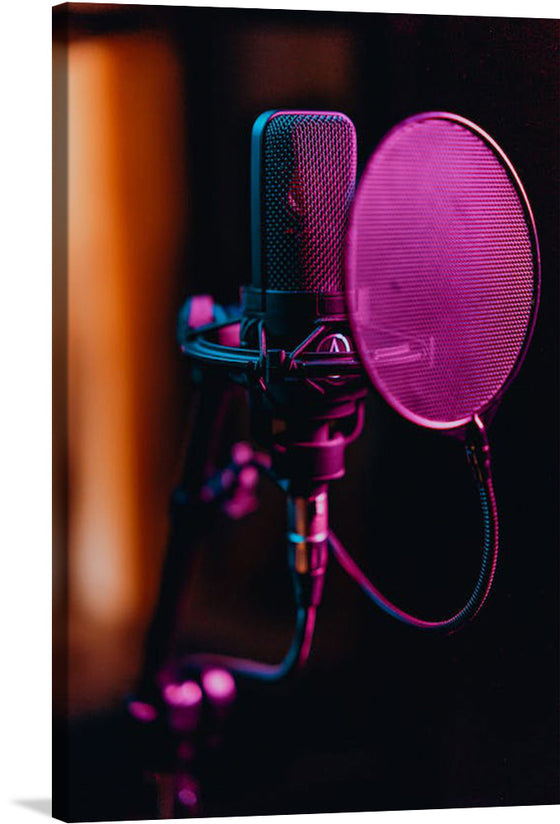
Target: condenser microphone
{"type": "Point", "coordinates": [296, 356]}
{"type": "Point", "coordinates": [303, 175]}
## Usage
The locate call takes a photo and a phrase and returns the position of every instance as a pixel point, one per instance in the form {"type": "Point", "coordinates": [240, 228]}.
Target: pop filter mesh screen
{"type": "Point", "coordinates": [442, 270]}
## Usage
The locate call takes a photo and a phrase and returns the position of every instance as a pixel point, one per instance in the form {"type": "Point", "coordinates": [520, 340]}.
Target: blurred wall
{"type": "Point", "coordinates": [126, 222]}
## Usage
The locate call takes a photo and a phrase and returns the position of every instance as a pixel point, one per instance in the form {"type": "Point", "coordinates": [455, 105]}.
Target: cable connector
{"type": "Point", "coordinates": [308, 533]}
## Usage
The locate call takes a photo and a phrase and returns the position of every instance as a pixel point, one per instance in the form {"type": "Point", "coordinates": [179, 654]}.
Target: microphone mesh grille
{"type": "Point", "coordinates": [443, 270]}
{"type": "Point", "coordinates": [309, 168]}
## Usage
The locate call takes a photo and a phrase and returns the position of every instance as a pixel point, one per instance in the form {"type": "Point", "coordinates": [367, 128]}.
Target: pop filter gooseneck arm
{"type": "Point", "coordinates": [478, 455]}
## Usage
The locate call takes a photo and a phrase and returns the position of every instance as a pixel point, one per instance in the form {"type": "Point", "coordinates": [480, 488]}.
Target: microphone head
{"type": "Point", "coordinates": [303, 172]}
{"type": "Point", "coordinates": [442, 270]}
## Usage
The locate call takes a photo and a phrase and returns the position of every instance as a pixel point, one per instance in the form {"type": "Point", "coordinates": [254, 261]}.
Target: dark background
{"type": "Point", "coordinates": [385, 717]}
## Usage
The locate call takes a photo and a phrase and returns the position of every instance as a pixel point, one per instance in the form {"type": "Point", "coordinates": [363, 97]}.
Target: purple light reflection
{"type": "Point", "coordinates": [187, 797]}
{"type": "Point", "coordinates": [249, 477]}
{"type": "Point", "coordinates": [188, 793]}
{"type": "Point", "coordinates": [187, 694]}
{"type": "Point", "coordinates": [184, 702]}
{"type": "Point", "coordinates": [241, 452]}
{"type": "Point", "coordinates": [142, 711]}
{"type": "Point", "coordinates": [219, 686]}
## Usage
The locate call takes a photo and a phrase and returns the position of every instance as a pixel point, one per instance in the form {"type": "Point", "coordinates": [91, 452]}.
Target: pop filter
{"type": "Point", "coordinates": [442, 283]}
{"type": "Point", "coordinates": [442, 271]}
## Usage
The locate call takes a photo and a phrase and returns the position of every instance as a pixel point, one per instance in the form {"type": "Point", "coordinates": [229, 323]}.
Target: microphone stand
{"type": "Point", "coordinates": [180, 706]}
{"type": "Point", "coordinates": [300, 404]}
{"type": "Point", "coordinates": [189, 511]}
{"type": "Point", "coordinates": [178, 692]}
{"type": "Point", "coordinates": [188, 518]}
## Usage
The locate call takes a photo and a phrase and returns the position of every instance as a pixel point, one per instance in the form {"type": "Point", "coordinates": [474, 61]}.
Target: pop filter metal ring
{"type": "Point", "coordinates": [496, 187]}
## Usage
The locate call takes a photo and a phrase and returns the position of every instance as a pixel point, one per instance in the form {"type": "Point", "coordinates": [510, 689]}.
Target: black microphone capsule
{"type": "Point", "coordinates": [303, 175]}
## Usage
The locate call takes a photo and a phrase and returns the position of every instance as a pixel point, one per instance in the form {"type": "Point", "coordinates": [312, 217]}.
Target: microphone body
{"type": "Point", "coordinates": [295, 353]}
{"type": "Point", "coordinates": [303, 177]}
